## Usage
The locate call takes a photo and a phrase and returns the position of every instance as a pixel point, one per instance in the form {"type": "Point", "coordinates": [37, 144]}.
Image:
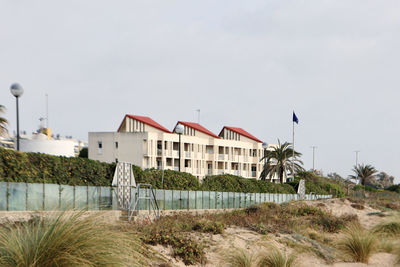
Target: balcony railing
{"type": "Point", "coordinates": [187, 154]}
{"type": "Point", "coordinates": [253, 173]}
{"type": "Point", "coordinates": [159, 151]}
{"type": "Point", "coordinates": [236, 172]}
{"type": "Point", "coordinates": [209, 171]}
{"type": "Point", "coordinates": [220, 171]}
{"type": "Point", "coordinates": [221, 156]}
{"type": "Point", "coordinates": [176, 168]}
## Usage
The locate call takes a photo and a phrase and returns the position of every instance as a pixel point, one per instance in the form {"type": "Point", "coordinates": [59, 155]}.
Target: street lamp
{"type": "Point", "coordinates": [179, 130]}
{"type": "Point", "coordinates": [265, 146]}
{"type": "Point", "coordinates": [17, 91]}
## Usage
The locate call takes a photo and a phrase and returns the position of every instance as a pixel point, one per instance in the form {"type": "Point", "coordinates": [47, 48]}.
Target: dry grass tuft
{"type": "Point", "coordinates": [391, 228]}
{"type": "Point", "coordinates": [67, 239]}
{"type": "Point", "coordinates": [240, 258]}
{"type": "Point", "coordinates": [275, 258]}
{"type": "Point", "coordinates": [358, 243]}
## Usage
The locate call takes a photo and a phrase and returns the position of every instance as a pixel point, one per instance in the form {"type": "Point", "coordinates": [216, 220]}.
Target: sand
{"type": "Point", "coordinates": [233, 239]}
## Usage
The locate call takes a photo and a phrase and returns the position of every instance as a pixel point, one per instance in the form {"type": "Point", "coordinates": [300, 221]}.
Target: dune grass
{"type": "Point", "coordinates": [358, 243]}
{"type": "Point", "coordinates": [240, 258]}
{"type": "Point", "coordinates": [275, 258]}
{"type": "Point", "coordinates": [390, 228]}
{"type": "Point", "coordinates": [69, 238]}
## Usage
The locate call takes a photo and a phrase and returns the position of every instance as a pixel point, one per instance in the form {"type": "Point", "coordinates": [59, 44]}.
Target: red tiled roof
{"type": "Point", "coordinates": [145, 120]}
{"type": "Point", "coordinates": [241, 132]}
{"type": "Point", "coordinates": [197, 127]}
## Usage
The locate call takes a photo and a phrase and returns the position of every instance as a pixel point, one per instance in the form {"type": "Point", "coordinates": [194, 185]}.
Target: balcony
{"type": "Point", "coordinates": [159, 151]}
{"type": "Point", "coordinates": [187, 154]}
{"type": "Point", "coordinates": [253, 173]}
{"type": "Point", "coordinates": [176, 168]}
{"type": "Point", "coordinates": [209, 171]}
{"type": "Point", "coordinates": [221, 156]}
{"type": "Point", "coordinates": [220, 171]}
{"type": "Point", "coordinates": [236, 172]}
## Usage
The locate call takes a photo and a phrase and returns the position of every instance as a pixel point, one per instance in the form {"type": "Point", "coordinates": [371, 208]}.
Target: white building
{"type": "Point", "coordinates": [147, 144]}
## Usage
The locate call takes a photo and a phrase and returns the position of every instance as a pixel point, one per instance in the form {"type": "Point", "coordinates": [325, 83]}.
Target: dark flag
{"type": "Point", "coordinates": [295, 119]}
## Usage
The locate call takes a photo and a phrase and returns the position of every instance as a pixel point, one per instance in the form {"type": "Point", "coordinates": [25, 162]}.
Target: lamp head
{"type": "Point", "coordinates": [16, 90]}
{"type": "Point", "coordinates": [179, 129]}
{"type": "Point", "coordinates": [265, 145]}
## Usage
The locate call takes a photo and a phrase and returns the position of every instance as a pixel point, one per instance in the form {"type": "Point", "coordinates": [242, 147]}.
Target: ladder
{"type": "Point", "coordinates": [147, 196]}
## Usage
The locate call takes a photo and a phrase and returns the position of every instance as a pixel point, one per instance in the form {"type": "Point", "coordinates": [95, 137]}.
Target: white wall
{"type": "Point", "coordinates": [51, 147]}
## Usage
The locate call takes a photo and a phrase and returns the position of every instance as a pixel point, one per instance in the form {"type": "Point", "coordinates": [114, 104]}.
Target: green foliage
{"type": "Point", "coordinates": [240, 258]}
{"type": "Point", "coordinates": [231, 183]}
{"type": "Point", "coordinates": [365, 188]}
{"type": "Point", "coordinates": [391, 228]}
{"type": "Point", "coordinates": [319, 185]}
{"type": "Point", "coordinates": [41, 168]}
{"type": "Point", "coordinates": [394, 188]}
{"type": "Point", "coordinates": [172, 179]}
{"type": "Point", "coordinates": [84, 153]}
{"type": "Point", "coordinates": [184, 247]}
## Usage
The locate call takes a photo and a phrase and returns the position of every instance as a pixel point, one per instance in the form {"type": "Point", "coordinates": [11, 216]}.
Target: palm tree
{"type": "Point", "coordinates": [3, 121]}
{"type": "Point", "coordinates": [279, 160]}
{"type": "Point", "coordinates": [364, 173]}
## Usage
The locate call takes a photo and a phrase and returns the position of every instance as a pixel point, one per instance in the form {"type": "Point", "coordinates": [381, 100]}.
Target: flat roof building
{"type": "Point", "coordinates": [143, 142]}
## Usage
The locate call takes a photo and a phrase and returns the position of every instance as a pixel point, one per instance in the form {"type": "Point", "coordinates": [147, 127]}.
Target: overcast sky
{"type": "Point", "coordinates": [243, 63]}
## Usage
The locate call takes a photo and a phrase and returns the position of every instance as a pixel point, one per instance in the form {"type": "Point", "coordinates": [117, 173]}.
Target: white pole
{"type": "Point", "coordinates": [293, 152]}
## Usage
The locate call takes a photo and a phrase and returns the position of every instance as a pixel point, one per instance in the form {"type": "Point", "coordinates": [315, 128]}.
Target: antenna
{"type": "Point", "coordinates": [198, 116]}
{"type": "Point", "coordinates": [47, 111]}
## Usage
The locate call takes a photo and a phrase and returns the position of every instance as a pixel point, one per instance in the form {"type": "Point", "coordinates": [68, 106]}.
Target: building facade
{"type": "Point", "coordinates": [147, 144]}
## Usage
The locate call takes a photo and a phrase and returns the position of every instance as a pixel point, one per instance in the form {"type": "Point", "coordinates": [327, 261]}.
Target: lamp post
{"type": "Point", "coordinates": [179, 130]}
{"type": "Point", "coordinates": [313, 157]}
{"type": "Point", "coordinates": [265, 146]}
{"type": "Point", "coordinates": [17, 91]}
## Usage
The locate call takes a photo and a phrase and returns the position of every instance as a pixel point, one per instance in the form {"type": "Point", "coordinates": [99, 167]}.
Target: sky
{"type": "Point", "coordinates": [246, 64]}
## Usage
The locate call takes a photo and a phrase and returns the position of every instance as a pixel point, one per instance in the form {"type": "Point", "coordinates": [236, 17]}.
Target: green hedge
{"type": "Point", "coordinates": [41, 168]}
{"type": "Point", "coordinates": [231, 183]}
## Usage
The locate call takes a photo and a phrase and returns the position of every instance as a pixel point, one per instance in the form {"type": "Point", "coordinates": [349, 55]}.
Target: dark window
{"type": "Point", "coordinates": [100, 144]}
{"type": "Point", "coordinates": [116, 144]}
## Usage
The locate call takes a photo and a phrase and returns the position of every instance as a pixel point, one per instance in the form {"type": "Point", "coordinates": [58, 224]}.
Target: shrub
{"type": "Point", "coordinates": [206, 226]}
{"type": "Point", "coordinates": [358, 243]}
{"type": "Point", "coordinates": [185, 248]}
{"type": "Point", "coordinates": [275, 258]}
{"type": "Point", "coordinates": [67, 239]}
{"type": "Point", "coordinates": [333, 224]}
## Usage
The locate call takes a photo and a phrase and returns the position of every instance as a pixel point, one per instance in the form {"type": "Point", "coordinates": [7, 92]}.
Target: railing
{"type": "Point", "coordinates": [220, 171]}
{"type": "Point", "coordinates": [253, 173]}
{"type": "Point", "coordinates": [27, 196]}
{"type": "Point", "coordinates": [221, 156]}
{"type": "Point", "coordinates": [187, 154]}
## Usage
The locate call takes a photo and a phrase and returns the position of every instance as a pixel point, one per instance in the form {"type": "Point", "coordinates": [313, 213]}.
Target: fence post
{"type": "Point", "coordinates": [164, 199]}
{"type": "Point", "coordinates": [87, 197]}
{"type": "Point", "coordinates": [195, 200]}
{"type": "Point", "coordinates": [172, 199]}
{"type": "Point", "coordinates": [209, 200]}
{"type": "Point", "coordinates": [44, 196]}
{"type": "Point", "coordinates": [73, 197]}
{"type": "Point", "coordinates": [26, 196]}
{"type": "Point", "coordinates": [99, 191]}
{"type": "Point", "coordinates": [188, 199]}
{"type": "Point", "coordinates": [7, 196]}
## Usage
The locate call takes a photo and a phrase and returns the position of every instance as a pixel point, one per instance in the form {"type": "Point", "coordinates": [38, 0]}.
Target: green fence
{"type": "Point", "coordinates": [30, 196]}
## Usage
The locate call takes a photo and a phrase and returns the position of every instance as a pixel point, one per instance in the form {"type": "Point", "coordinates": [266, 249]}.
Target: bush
{"type": "Point", "coordinates": [365, 188]}
{"type": "Point", "coordinates": [240, 258]}
{"type": "Point", "coordinates": [319, 185]}
{"type": "Point", "coordinates": [394, 188]}
{"type": "Point", "coordinates": [391, 228]}
{"type": "Point", "coordinates": [231, 183]}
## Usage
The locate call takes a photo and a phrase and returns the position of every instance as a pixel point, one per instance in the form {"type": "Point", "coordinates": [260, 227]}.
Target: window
{"type": "Point", "coordinates": [116, 145]}
{"type": "Point", "coordinates": [99, 147]}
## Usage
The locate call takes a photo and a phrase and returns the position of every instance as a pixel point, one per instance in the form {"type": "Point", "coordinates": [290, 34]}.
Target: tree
{"type": "Point", "coordinates": [3, 121]}
{"type": "Point", "coordinates": [83, 153]}
{"type": "Point", "coordinates": [364, 173]}
{"type": "Point", "coordinates": [279, 161]}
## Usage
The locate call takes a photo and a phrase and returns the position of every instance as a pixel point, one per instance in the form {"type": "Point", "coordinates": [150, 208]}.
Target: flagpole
{"type": "Point", "coordinates": [293, 150]}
